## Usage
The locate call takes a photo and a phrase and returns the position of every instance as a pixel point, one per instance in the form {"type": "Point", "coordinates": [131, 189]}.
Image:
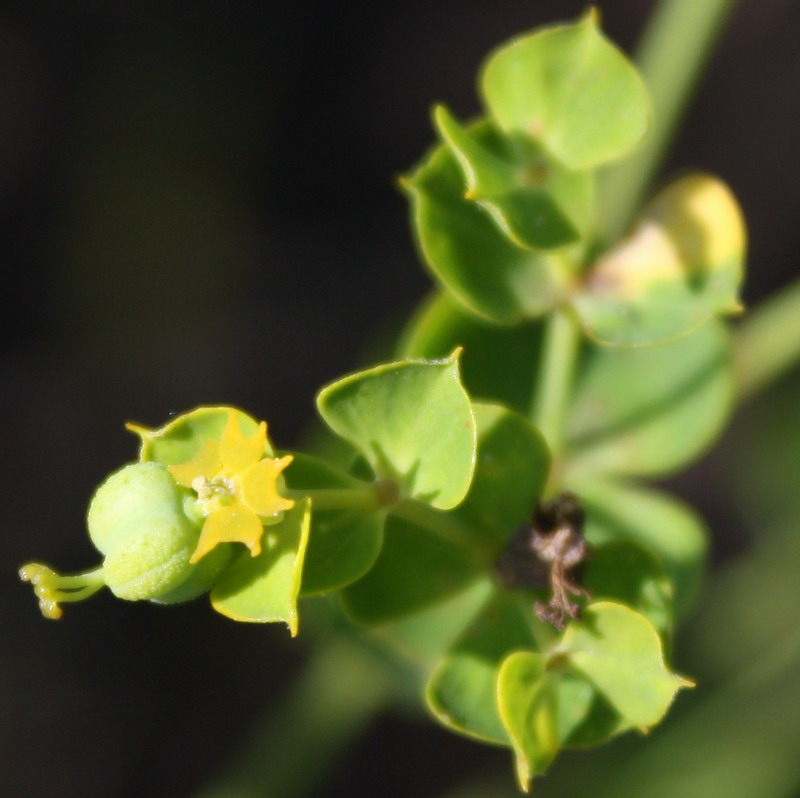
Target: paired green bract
{"type": "Point", "coordinates": [503, 208]}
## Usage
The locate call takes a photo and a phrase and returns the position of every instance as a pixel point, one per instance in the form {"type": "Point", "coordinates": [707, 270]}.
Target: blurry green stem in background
{"type": "Point", "coordinates": [674, 48]}
{"type": "Point", "coordinates": [768, 342]}
{"type": "Point", "coordinates": [343, 688]}
{"type": "Point", "coordinates": [331, 702]}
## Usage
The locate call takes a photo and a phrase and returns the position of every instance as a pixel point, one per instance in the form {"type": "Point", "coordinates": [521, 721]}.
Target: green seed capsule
{"type": "Point", "coordinates": [137, 520]}
{"type": "Point", "coordinates": [202, 578]}
{"type": "Point", "coordinates": [121, 502]}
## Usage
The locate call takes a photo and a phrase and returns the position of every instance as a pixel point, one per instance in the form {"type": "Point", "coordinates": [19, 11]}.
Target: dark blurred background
{"type": "Point", "coordinates": [197, 205]}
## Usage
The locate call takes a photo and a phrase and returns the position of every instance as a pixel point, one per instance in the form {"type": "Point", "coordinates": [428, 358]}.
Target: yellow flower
{"type": "Point", "coordinates": [236, 488]}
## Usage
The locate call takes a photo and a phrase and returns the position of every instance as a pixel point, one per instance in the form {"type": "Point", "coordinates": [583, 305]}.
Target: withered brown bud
{"type": "Point", "coordinates": [545, 553]}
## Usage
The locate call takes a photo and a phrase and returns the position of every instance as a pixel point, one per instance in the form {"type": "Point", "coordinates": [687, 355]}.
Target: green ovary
{"type": "Point", "coordinates": [202, 577]}
{"type": "Point", "coordinates": [137, 520]}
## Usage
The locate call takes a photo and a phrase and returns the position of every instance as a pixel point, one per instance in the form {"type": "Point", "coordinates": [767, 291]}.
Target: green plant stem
{"type": "Point", "coordinates": [559, 353]}
{"type": "Point", "coordinates": [365, 499]}
{"type": "Point", "coordinates": [767, 344]}
{"type": "Point", "coordinates": [674, 48]}
{"type": "Point", "coordinates": [329, 706]}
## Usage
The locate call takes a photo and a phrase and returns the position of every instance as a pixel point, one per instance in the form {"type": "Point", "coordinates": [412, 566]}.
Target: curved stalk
{"type": "Point", "coordinates": [767, 343]}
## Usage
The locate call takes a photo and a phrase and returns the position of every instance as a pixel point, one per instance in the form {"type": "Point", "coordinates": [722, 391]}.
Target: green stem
{"type": "Point", "coordinates": [366, 499]}
{"type": "Point", "coordinates": [559, 353]}
{"type": "Point", "coordinates": [767, 344]}
{"type": "Point", "coordinates": [674, 48]}
{"type": "Point", "coordinates": [289, 755]}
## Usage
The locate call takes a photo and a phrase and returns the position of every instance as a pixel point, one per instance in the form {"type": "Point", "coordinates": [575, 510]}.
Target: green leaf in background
{"type": "Point", "coordinates": [462, 690]}
{"type": "Point", "coordinates": [413, 423]}
{"type": "Point", "coordinates": [621, 571]}
{"type": "Point", "coordinates": [414, 570]}
{"type": "Point", "coordinates": [523, 208]}
{"type": "Point", "coordinates": [526, 697]}
{"type": "Point", "coordinates": [466, 250]}
{"type": "Point", "coordinates": [650, 411]}
{"type": "Point", "coordinates": [343, 544]}
{"type": "Point", "coordinates": [681, 265]}
{"type": "Point", "coordinates": [425, 636]}
{"type": "Point", "coordinates": [620, 652]}
{"type": "Point", "coordinates": [569, 87]}
{"type": "Point", "coordinates": [343, 547]}
{"type": "Point", "coordinates": [265, 588]}
{"type": "Point", "coordinates": [656, 521]}
{"type": "Point", "coordinates": [510, 475]}
{"type": "Point", "coordinates": [181, 439]}
{"type": "Point", "coordinates": [497, 362]}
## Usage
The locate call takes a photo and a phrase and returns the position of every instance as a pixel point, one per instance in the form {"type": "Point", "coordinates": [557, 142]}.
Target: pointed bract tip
{"type": "Point", "coordinates": [139, 430]}
{"type": "Point", "coordinates": [593, 15]}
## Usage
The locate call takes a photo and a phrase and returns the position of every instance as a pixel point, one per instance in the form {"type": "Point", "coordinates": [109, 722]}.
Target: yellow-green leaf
{"type": "Point", "coordinates": [620, 652]}
{"type": "Point", "coordinates": [264, 589]}
{"type": "Point", "coordinates": [527, 701]}
{"type": "Point", "coordinates": [571, 88]}
{"type": "Point", "coordinates": [681, 265]}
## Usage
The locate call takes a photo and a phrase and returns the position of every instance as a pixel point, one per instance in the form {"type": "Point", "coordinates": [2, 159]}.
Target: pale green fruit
{"type": "Point", "coordinates": [137, 520]}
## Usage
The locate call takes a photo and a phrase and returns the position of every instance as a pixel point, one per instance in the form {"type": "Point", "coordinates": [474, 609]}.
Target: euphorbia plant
{"type": "Point", "coordinates": [488, 519]}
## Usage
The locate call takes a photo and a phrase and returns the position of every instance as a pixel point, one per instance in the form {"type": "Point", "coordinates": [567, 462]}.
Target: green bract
{"type": "Point", "coordinates": [180, 439]}
{"type": "Point", "coordinates": [617, 511]}
{"type": "Point", "coordinates": [463, 690]}
{"type": "Point", "coordinates": [528, 703]}
{"type": "Point", "coordinates": [265, 588]}
{"type": "Point", "coordinates": [520, 191]}
{"type": "Point", "coordinates": [569, 87]}
{"type": "Point", "coordinates": [620, 653]}
{"type": "Point", "coordinates": [676, 400]}
{"type": "Point", "coordinates": [429, 556]}
{"type": "Point", "coordinates": [680, 266]}
{"type": "Point", "coordinates": [468, 252]}
{"type": "Point", "coordinates": [497, 196]}
{"type": "Point", "coordinates": [412, 422]}
{"type": "Point", "coordinates": [343, 543]}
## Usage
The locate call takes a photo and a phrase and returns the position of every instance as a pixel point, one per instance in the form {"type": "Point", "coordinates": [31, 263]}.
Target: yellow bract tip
{"type": "Point", "coordinates": [238, 451]}
{"type": "Point", "coordinates": [139, 430]}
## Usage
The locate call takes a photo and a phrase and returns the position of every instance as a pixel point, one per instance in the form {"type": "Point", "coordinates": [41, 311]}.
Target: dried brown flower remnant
{"type": "Point", "coordinates": [545, 553]}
